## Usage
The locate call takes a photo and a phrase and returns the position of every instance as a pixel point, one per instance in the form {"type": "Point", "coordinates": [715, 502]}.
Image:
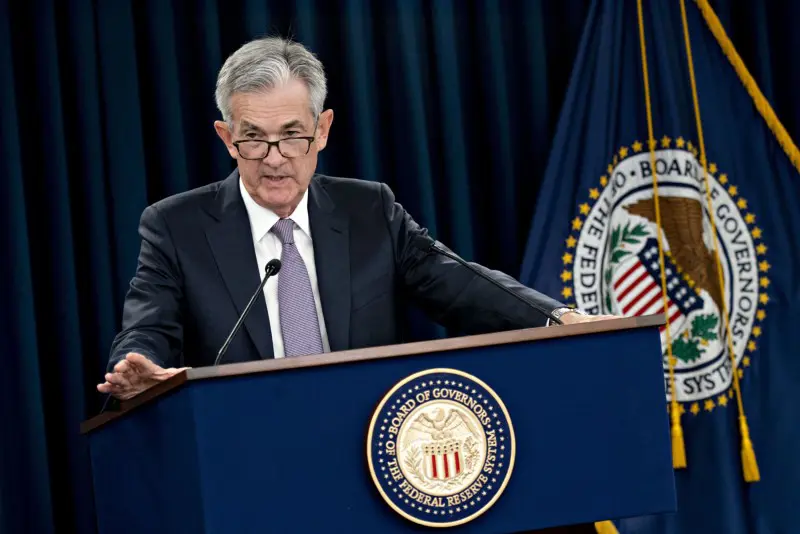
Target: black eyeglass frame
{"type": "Point", "coordinates": [276, 144]}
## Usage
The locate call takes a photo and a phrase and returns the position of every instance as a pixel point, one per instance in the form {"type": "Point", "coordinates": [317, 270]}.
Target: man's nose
{"type": "Point", "coordinates": [274, 158]}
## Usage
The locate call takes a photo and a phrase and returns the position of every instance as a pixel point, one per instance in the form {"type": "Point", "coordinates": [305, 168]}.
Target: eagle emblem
{"type": "Point", "coordinates": [612, 264]}
{"type": "Point", "coordinates": [442, 424]}
{"type": "Point", "coordinates": [682, 224]}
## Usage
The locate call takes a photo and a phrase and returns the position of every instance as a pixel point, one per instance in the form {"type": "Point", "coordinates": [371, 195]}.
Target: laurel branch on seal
{"type": "Point", "coordinates": [691, 345]}
{"type": "Point", "coordinates": [413, 463]}
{"type": "Point", "coordinates": [470, 453]}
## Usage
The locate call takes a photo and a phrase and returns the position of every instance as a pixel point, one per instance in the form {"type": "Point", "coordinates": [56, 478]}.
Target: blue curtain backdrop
{"type": "Point", "coordinates": [107, 106]}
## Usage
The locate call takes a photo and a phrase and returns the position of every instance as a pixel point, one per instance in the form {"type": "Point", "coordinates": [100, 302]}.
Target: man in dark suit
{"type": "Point", "coordinates": [349, 252]}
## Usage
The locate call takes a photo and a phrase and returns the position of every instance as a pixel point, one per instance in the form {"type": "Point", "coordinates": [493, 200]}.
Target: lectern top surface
{"type": "Point", "coordinates": [373, 353]}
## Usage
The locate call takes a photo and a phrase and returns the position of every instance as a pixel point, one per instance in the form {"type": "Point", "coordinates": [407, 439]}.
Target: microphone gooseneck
{"type": "Point", "coordinates": [271, 269]}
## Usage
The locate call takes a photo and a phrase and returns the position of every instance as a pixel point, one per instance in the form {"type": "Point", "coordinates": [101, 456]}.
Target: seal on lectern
{"type": "Point", "coordinates": [441, 447]}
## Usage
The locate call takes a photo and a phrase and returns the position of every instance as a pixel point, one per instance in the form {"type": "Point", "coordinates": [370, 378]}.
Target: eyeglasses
{"type": "Point", "coordinates": [291, 147]}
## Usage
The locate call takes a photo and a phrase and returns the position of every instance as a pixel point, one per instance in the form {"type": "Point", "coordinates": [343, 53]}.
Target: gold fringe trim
{"type": "Point", "coordinates": [761, 103]}
{"type": "Point", "coordinates": [605, 527]}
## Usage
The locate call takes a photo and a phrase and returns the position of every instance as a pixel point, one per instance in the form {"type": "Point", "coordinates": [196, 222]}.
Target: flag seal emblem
{"type": "Point", "coordinates": [611, 263]}
{"type": "Point", "coordinates": [441, 447]}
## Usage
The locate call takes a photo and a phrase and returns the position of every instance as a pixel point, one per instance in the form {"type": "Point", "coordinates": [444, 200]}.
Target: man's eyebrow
{"type": "Point", "coordinates": [293, 125]}
{"type": "Point", "coordinates": [246, 126]}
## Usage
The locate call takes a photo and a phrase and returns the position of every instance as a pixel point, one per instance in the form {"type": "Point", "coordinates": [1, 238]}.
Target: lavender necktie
{"type": "Point", "coordinates": [298, 312]}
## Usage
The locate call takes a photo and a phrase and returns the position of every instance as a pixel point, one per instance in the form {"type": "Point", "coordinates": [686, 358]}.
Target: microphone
{"type": "Point", "coordinates": [272, 268]}
{"type": "Point", "coordinates": [427, 245]}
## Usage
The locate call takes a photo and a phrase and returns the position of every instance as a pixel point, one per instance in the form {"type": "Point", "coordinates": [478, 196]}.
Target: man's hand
{"type": "Point", "coordinates": [575, 318]}
{"type": "Point", "coordinates": [133, 375]}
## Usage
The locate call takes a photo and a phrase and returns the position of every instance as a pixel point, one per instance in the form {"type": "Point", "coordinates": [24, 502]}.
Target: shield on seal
{"type": "Point", "coordinates": [637, 286]}
{"type": "Point", "coordinates": [443, 459]}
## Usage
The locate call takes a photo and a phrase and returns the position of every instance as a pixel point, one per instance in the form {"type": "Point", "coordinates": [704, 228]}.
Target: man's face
{"type": "Point", "coordinates": [276, 182]}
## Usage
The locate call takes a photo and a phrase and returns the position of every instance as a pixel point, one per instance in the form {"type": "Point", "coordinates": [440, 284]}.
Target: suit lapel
{"type": "Point", "coordinates": [330, 233]}
{"type": "Point", "coordinates": [231, 243]}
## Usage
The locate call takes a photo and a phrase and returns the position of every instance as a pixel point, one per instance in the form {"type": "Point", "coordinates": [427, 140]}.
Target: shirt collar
{"type": "Point", "coordinates": [263, 219]}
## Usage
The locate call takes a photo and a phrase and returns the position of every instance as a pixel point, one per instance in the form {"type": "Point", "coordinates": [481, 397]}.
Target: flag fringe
{"type": "Point", "coordinates": [605, 527]}
{"type": "Point", "coordinates": [759, 100]}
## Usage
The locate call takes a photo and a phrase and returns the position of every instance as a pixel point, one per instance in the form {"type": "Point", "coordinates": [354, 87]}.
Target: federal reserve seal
{"type": "Point", "coordinates": [612, 263]}
{"type": "Point", "coordinates": [441, 447]}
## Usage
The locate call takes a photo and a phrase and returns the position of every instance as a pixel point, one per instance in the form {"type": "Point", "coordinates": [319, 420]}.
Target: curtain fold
{"type": "Point", "coordinates": [25, 484]}
{"type": "Point", "coordinates": [107, 106]}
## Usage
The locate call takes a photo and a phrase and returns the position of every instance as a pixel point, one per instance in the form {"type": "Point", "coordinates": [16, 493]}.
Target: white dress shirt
{"type": "Point", "coordinates": [268, 246]}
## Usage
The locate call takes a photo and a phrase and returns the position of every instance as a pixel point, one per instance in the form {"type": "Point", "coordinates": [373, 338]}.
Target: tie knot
{"type": "Point", "coordinates": [284, 229]}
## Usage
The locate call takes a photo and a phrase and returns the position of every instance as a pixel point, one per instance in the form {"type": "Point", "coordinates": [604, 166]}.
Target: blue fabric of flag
{"type": "Point", "coordinates": [595, 219]}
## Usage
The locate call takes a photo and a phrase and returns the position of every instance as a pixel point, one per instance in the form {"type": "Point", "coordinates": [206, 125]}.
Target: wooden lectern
{"type": "Point", "coordinates": [281, 445]}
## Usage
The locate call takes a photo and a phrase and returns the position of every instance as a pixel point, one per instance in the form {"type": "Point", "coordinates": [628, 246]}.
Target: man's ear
{"type": "Point", "coordinates": [323, 128]}
{"type": "Point", "coordinates": [224, 133]}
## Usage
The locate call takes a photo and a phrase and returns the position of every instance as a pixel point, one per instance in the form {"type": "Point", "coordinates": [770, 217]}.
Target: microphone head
{"type": "Point", "coordinates": [273, 266]}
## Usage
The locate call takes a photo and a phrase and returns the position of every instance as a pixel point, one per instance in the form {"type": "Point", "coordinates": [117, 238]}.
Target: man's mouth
{"type": "Point", "coordinates": [276, 179]}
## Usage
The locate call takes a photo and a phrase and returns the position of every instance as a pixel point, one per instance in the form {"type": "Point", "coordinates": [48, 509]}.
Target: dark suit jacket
{"type": "Point", "coordinates": [197, 270]}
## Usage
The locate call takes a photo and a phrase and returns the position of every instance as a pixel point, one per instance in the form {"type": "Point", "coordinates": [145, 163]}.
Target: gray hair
{"type": "Point", "coordinates": [266, 63]}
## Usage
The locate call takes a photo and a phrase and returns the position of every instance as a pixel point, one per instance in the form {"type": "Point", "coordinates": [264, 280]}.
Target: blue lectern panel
{"type": "Point", "coordinates": [146, 474]}
{"type": "Point", "coordinates": [286, 451]}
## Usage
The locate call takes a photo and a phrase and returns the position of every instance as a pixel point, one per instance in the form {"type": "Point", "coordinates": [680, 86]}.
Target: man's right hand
{"type": "Point", "coordinates": [134, 374]}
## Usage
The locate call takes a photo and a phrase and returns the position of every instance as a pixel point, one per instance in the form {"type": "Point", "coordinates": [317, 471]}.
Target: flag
{"type": "Point", "coordinates": [658, 90]}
